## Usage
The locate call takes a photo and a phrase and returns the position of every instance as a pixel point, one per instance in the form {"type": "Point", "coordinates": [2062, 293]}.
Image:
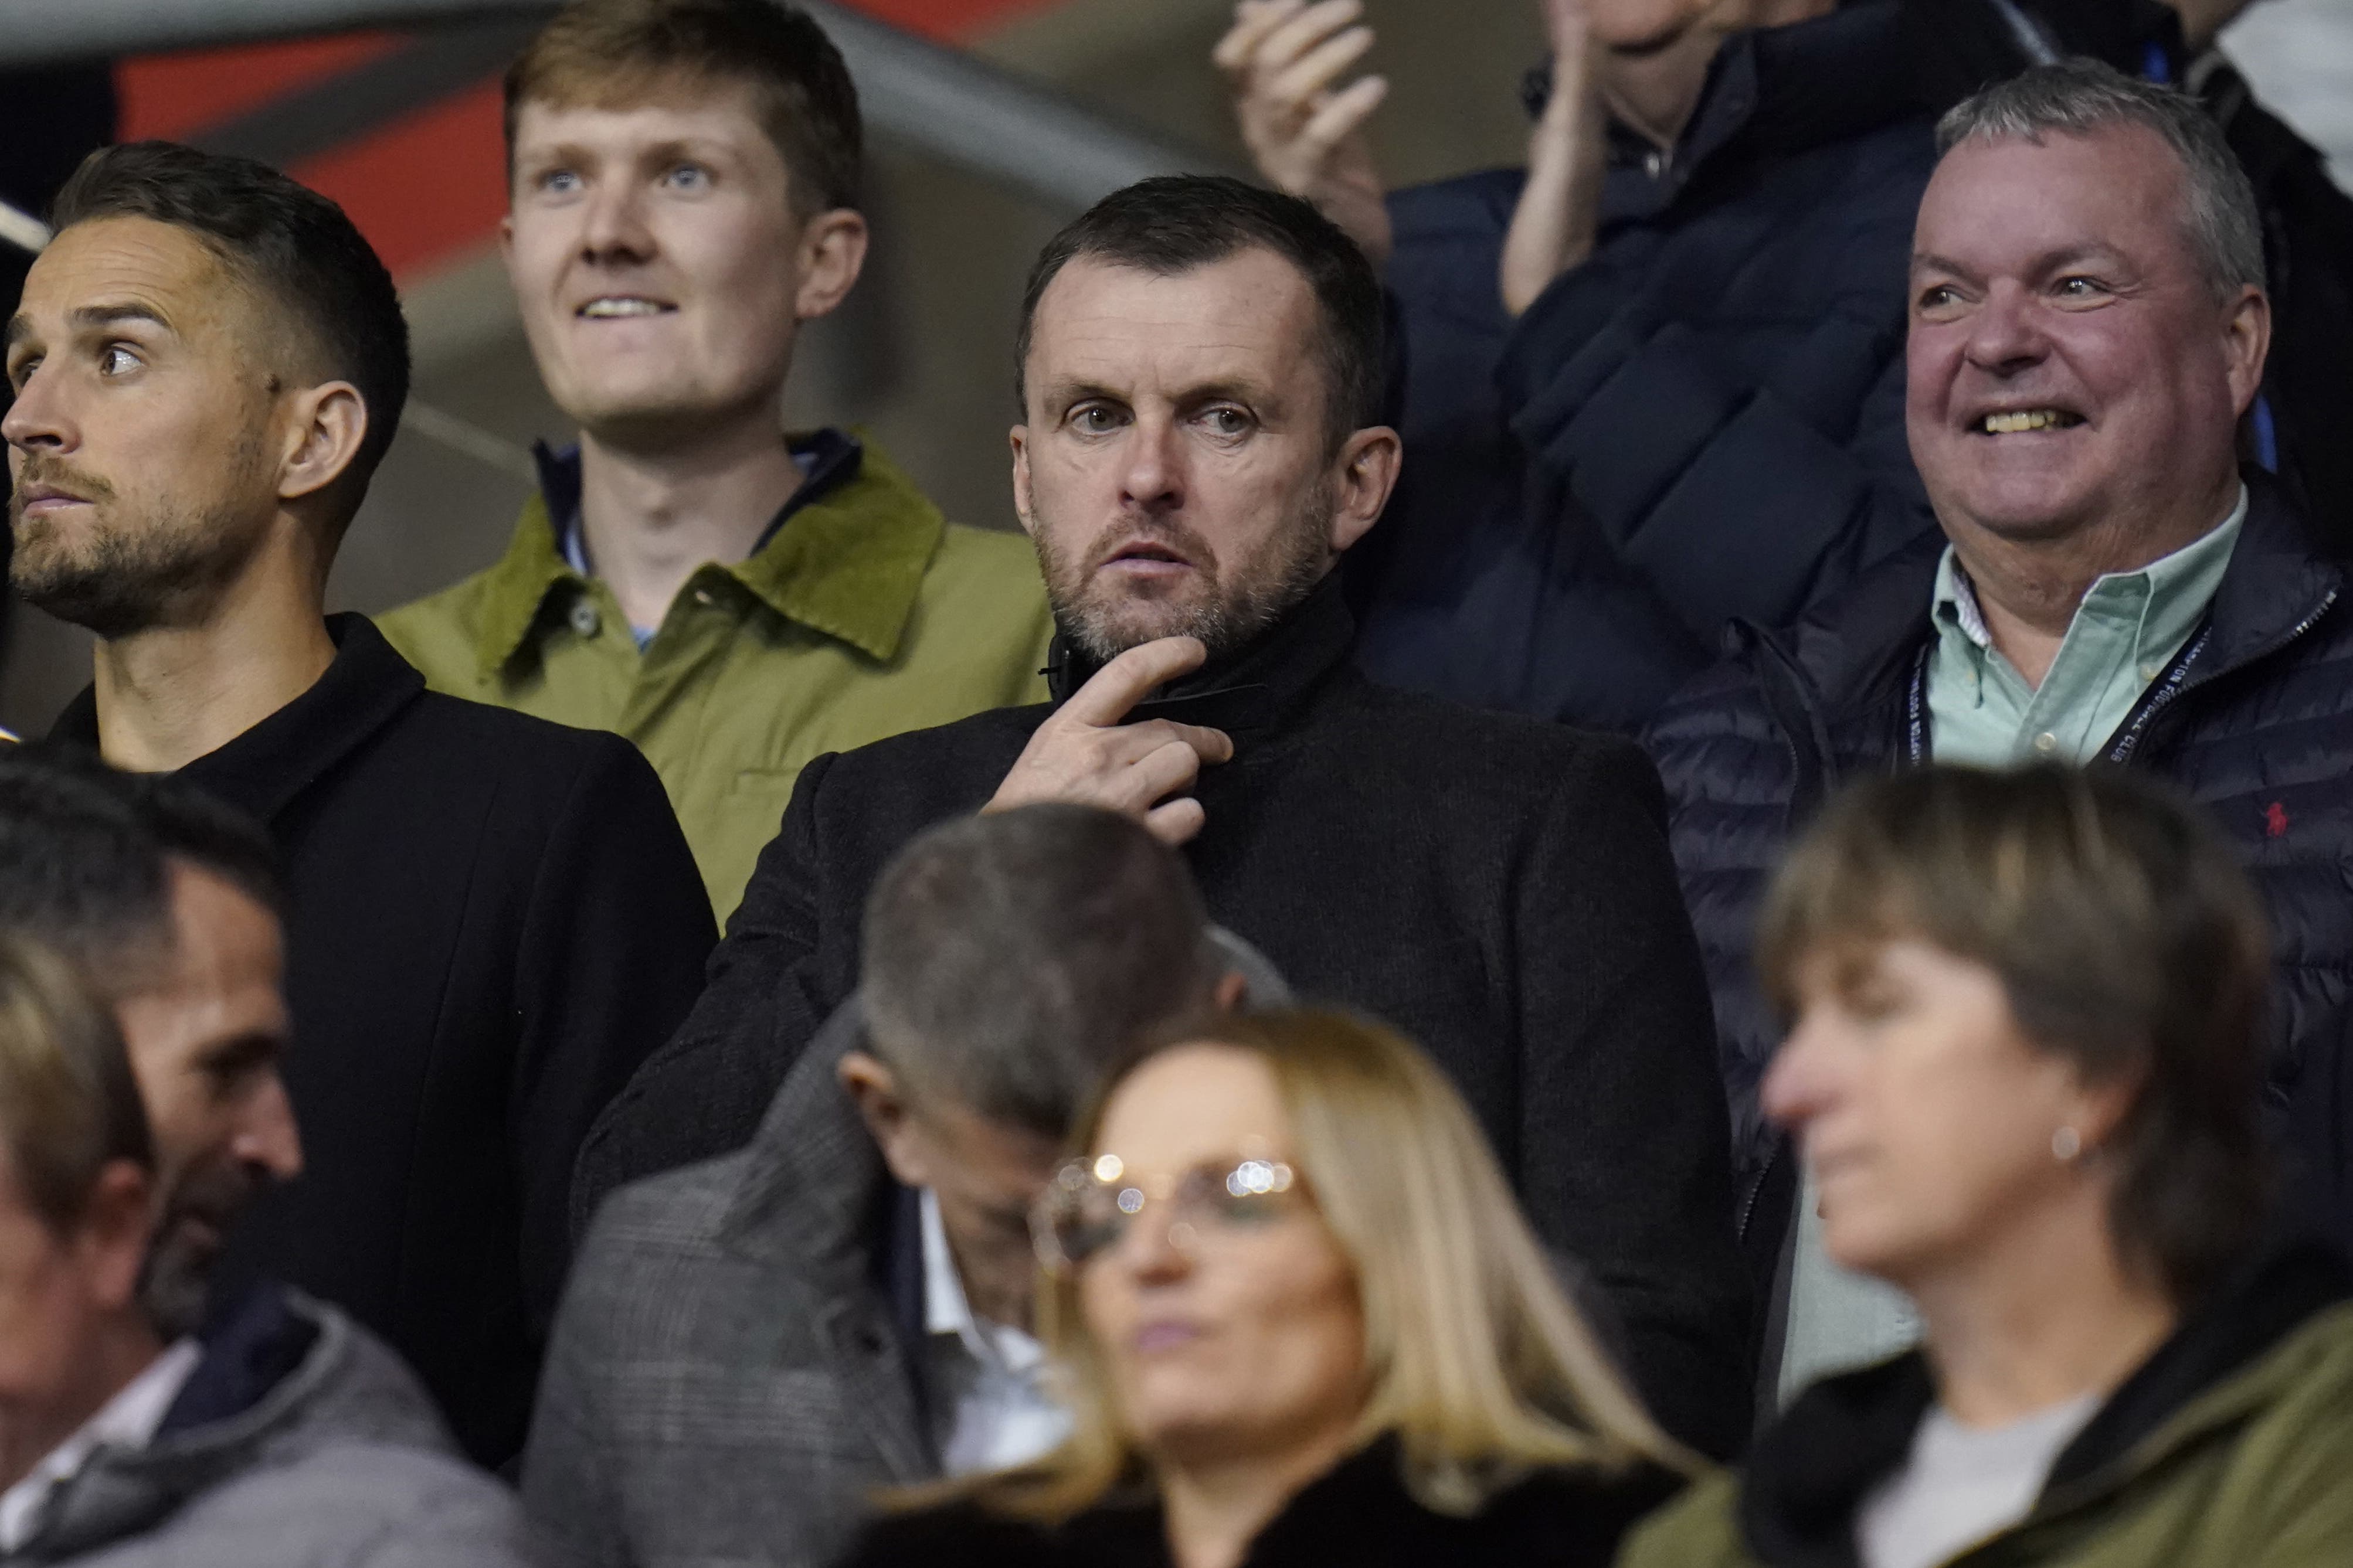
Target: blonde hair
{"type": "Point", "coordinates": [1476, 1361]}
{"type": "Point", "coordinates": [69, 1103]}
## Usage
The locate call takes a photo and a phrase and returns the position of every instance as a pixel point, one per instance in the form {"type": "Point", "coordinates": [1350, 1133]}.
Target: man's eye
{"type": "Point", "coordinates": [2080, 289]}
{"type": "Point", "coordinates": [22, 372]}
{"type": "Point", "coordinates": [116, 360]}
{"type": "Point", "coordinates": [689, 177]}
{"type": "Point", "coordinates": [1093, 419]}
{"type": "Point", "coordinates": [559, 182]}
{"type": "Point", "coordinates": [1937, 298]}
{"type": "Point", "coordinates": [1227, 421]}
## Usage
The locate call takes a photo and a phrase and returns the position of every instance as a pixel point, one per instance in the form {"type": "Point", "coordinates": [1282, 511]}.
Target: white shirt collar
{"type": "Point", "coordinates": [129, 1420]}
{"type": "Point", "coordinates": [947, 1311]}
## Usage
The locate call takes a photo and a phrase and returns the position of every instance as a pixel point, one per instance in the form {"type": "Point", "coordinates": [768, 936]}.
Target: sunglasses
{"type": "Point", "coordinates": [1088, 1206]}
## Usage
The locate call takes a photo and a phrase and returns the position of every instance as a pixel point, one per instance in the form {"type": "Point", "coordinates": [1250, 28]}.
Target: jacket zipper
{"type": "Point", "coordinates": [2179, 684]}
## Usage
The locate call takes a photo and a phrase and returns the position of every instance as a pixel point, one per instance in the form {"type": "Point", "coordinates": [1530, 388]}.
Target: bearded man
{"type": "Point", "coordinates": [1198, 376]}
{"type": "Point", "coordinates": [490, 920]}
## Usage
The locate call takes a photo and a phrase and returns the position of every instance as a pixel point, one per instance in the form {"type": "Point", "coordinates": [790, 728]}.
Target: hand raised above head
{"type": "Point", "coordinates": [1085, 753]}
{"type": "Point", "coordinates": [1304, 133]}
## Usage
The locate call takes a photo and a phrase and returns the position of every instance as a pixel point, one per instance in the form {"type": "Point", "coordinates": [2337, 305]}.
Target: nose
{"type": "Point", "coordinates": [1152, 478]}
{"type": "Point", "coordinates": [267, 1136]}
{"type": "Point", "coordinates": [1801, 1080]}
{"type": "Point", "coordinates": [1148, 1251]}
{"type": "Point", "coordinates": [38, 421]}
{"type": "Point", "coordinates": [614, 227]}
{"type": "Point", "coordinates": [2005, 335]}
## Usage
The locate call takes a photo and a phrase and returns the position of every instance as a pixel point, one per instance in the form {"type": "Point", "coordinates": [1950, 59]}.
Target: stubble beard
{"type": "Point", "coordinates": [123, 577]}
{"type": "Point", "coordinates": [1249, 596]}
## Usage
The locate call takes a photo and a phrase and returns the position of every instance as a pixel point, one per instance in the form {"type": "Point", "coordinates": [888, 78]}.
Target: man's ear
{"type": "Point", "coordinates": [874, 1088]}
{"type": "Point", "coordinates": [1362, 479]}
{"type": "Point", "coordinates": [2248, 343]}
{"type": "Point", "coordinates": [832, 255]}
{"type": "Point", "coordinates": [1231, 991]}
{"type": "Point", "coordinates": [116, 1226]}
{"type": "Point", "coordinates": [328, 423]}
{"type": "Point", "coordinates": [1019, 436]}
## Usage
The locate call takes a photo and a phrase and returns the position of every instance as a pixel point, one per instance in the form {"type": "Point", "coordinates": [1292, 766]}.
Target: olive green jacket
{"type": "Point", "coordinates": [2231, 1447]}
{"type": "Point", "coordinates": [864, 615]}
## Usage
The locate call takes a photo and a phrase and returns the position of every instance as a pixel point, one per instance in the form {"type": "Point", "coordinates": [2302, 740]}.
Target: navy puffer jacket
{"type": "Point", "coordinates": [1702, 421]}
{"type": "Point", "coordinates": [2254, 719]}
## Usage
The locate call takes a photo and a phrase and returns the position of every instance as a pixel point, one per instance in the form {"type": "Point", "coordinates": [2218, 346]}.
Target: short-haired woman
{"type": "Point", "coordinates": [2023, 1066]}
{"type": "Point", "coordinates": [1301, 1322]}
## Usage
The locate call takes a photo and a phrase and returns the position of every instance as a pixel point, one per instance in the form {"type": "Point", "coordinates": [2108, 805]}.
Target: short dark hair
{"type": "Point", "coordinates": [612, 53]}
{"type": "Point", "coordinates": [1175, 223]}
{"type": "Point", "coordinates": [86, 855]}
{"type": "Point", "coordinates": [69, 1104]}
{"type": "Point", "coordinates": [2127, 939]}
{"type": "Point", "coordinates": [291, 243]}
{"type": "Point", "coordinates": [1011, 960]}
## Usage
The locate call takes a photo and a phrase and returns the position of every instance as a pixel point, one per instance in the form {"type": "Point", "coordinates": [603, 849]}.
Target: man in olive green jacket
{"type": "Point", "coordinates": [736, 600]}
{"type": "Point", "coordinates": [2231, 1447]}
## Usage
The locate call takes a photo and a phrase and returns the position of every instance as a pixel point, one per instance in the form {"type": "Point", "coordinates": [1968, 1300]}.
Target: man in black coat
{"type": "Point", "coordinates": [1201, 372]}
{"type": "Point", "coordinates": [2108, 589]}
{"type": "Point", "coordinates": [492, 919]}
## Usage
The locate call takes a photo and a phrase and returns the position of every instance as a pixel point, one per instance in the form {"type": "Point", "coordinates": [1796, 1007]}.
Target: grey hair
{"type": "Point", "coordinates": [1012, 960]}
{"type": "Point", "coordinates": [2081, 96]}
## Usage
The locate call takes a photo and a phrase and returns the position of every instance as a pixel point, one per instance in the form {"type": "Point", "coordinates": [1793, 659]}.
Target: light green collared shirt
{"type": "Point", "coordinates": [2128, 628]}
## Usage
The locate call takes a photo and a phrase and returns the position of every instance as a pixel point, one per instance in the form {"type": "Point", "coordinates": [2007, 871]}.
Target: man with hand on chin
{"type": "Point", "coordinates": [2089, 328]}
{"type": "Point", "coordinates": [1200, 443]}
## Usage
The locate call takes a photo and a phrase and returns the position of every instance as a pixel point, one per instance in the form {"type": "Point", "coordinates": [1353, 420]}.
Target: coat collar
{"type": "Point", "coordinates": [1266, 685]}
{"type": "Point", "coordinates": [263, 771]}
{"type": "Point", "coordinates": [1853, 655]}
{"type": "Point", "coordinates": [861, 537]}
{"type": "Point", "coordinates": [1811, 1469]}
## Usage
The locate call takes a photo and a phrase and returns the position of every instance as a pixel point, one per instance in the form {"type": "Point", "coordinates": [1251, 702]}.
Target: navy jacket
{"type": "Point", "coordinates": [2254, 719]}
{"type": "Point", "coordinates": [1704, 420]}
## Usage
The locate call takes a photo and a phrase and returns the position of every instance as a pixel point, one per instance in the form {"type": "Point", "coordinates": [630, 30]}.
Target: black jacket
{"type": "Point", "coordinates": [2254, 719]}
{"type": "Point", "coordinates": [1358, 1514]}
{"type": "Point", "coordinates": [1703, 420]}
{"type": "Point", "coordinates": [1497, 889]}
{"type": "Point", "coordinates": [493, 921]}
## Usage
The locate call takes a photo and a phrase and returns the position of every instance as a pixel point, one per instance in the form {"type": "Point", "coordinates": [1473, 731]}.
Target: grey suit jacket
{"type": "Point", "coordinates": [727, 1382]}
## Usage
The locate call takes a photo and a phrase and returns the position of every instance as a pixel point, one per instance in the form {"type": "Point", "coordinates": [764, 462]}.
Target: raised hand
{"type": "Point", "coordinates": [1560, 208]}
{"type": "Point", "coordinates": [1084, 754]}
{"type": "Point", "coordinates": [1305, 134]}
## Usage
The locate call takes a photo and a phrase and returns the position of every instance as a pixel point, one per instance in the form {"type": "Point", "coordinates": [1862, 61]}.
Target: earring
{"type": "Point", "coordinates": [2066, 1144]}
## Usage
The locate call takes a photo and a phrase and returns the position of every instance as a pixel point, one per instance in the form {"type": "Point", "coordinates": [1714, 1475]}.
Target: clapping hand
{"type": "Point", "coordinates": [1560, 208]}
{"type": "Point", "coordinates": [1306, 135]}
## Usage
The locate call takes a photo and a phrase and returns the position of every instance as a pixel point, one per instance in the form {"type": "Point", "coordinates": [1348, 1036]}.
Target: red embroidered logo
{"type": "Point", "coordinates": [2276, 821]}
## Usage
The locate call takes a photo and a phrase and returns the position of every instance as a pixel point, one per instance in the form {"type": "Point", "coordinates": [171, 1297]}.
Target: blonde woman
{"type": "Point", "coordinates": [1301, 1321]}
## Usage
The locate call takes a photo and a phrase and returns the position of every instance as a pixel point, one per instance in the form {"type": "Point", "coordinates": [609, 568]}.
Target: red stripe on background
{"type": "Point", "coordinates": [426, 189]}
{"type": "Point", "coordinates": [171, 95]}
{"type": "Point", "coordinates": [431, 186]}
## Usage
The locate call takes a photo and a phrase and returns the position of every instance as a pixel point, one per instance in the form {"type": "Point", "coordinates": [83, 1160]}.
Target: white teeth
{"type": "Point", "coordinates": [2026, 419]}
{"type": "Point", "coordinates": [622, 307]}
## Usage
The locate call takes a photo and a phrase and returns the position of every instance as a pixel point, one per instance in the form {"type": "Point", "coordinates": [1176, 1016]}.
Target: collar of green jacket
{"type": "Point", "coordinates": [1810, 1471]}
{"type": "Point", "coordinates": [844, 556]}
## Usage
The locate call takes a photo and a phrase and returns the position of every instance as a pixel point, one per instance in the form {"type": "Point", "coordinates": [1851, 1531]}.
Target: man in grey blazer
{"type": "Point", "coordinates": [749, 1347]}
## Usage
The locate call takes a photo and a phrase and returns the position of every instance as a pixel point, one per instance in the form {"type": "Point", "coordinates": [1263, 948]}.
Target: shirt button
{"type": "Point", "coordinates": [2046, 742]}
{"type": "Point", "coordinates": [585, 619]}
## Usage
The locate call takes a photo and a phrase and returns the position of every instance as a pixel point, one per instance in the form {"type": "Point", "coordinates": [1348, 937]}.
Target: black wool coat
{"type": "Point", "coordinates": [493, 921]}
{"type": "Point", "coordinates": [2255, 721]}
{"type": "Point", "coordinates": [1358, 1514]}
{"type": "Point", "coordinates": [1498, 888]}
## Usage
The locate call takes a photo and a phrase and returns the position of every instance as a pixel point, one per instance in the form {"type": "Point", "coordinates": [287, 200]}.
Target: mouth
{"type": "Point", "coordinates": [623, 307]}
{"type": "Point", "coordinates": [1147, 557]}
{"type": "Point", "coordinates": [2023, 421]}
{"type": "Point", "coordinates": [1165, 1334]}
{"type": "Point", "coordinates": [38, 500]}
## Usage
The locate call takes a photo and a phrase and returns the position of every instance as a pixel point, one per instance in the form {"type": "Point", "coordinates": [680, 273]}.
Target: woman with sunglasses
{"type": "Point", "coordinates": [1300, 1320]}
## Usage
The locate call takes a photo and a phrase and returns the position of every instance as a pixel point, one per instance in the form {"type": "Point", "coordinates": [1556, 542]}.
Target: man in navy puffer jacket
{"type": "Point", "coordinates": [1652, 382]}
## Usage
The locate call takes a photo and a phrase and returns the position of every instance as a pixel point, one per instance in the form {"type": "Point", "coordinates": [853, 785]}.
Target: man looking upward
{"type": "Point", "coordinates": [734, 599]}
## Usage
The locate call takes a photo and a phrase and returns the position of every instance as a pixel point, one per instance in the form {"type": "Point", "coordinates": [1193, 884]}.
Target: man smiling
{"type": "Point", "coordinates": [2088, 329]}
{"type": "Point", "coordinates": [1199, 443]}
{"type": "Point", "coordinates": [734, 599]}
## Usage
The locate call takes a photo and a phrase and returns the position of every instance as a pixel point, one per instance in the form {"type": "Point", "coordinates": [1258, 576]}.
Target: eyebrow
{"type": "Point", "coordinates": [20, 325]}
{"type": "Point", "coordinates": [2049, 261]}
